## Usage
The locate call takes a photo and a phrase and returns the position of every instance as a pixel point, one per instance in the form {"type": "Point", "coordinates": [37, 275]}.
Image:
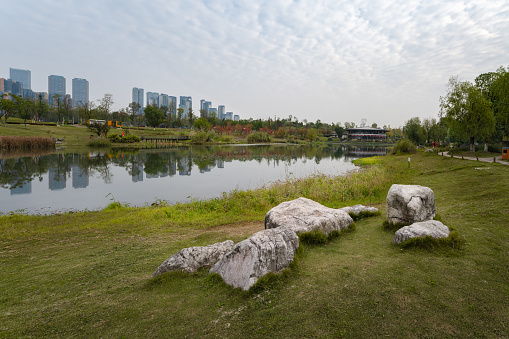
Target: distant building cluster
{"type": "Point", "coordinates": [20, 83]}
{"type": "Point", "coordinates": [185, 104]}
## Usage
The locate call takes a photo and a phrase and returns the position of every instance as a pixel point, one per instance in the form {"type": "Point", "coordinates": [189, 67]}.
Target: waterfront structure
{"type": "Point", "coordinates": [366, 133]}
{"type": "Point", "coordinates": [80, 92]}
{"type": "Point", "coordinates": [56, 86]}
{"type": "Point", "coordinates": [153, 99]}
{"type": "Point", "coordinates": [22, 76]}
{"type": "Point", "coordinates": [221, 112]}
{"type": "Point", "coordinates": [138, 97]}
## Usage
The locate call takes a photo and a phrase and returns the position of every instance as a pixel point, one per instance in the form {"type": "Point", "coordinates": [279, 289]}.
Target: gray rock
{"type": "Point", "coordinates": [192, 258]}
{"type": "Point", "coordinates": [357, 209]}
{"type": "Point", "coordinates": [305, 215]}
{"type": "Point", "coordinates": [410, 203]}
{"type": "Point", "coordinates": [266, 251]}
{"type": "Point", "coordinates": [433, 228]}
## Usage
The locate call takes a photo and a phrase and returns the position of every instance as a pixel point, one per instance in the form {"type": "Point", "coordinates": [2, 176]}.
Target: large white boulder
{"type": "Point", "coordinates": [192, 258]}
{"type": "Point", "coordinates": [410, 203]}
{"type": "Point", "coordinates": [266, 251]}
{"type": "Point", "coordinates": [432, 228]}
{"type": "Point", "coordinates": [305, 215]}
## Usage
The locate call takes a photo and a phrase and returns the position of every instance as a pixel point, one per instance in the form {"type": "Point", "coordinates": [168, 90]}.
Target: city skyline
{"type": "Point", "coordinates": [337, 62]}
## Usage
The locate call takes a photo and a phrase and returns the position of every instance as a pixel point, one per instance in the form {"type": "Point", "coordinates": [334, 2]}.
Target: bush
{"type": "Point", "coordinates": [202, 137]}
{"type": "Point", "coordinates": [258, 137]}
{"type": "Point", "coordinates": [404, 146]}
{"type": "Point", "coordinates": [115, 138]}
{"type": "Point", "coordinates": [224, 138]}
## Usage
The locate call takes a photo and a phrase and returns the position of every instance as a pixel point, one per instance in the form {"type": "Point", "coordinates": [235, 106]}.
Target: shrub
{"type": "Point", "coordinates": [258, 137]}
{"type": "Point", "coordinates": [404, 146]}
{"type": "Point", "coordinates": [202, 137]}
{"type": "Point", "coordinates": [125, 139]}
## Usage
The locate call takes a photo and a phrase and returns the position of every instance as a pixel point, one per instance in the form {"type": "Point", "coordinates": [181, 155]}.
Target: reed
{"type": "Point", "coordinates": [26, 143]}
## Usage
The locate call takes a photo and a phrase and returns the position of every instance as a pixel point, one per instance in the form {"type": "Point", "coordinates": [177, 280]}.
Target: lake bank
{"type": "Point", "coordinates": [88, 273]}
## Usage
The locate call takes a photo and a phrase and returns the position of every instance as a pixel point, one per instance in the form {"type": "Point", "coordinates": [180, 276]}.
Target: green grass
{"type": "Point", "coordinates": [88, 274]}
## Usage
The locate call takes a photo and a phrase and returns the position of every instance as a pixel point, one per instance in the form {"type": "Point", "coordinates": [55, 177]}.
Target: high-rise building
{"type": "Point", "coordinates": [236, 117]}
{"type": "Point", "coordinates": [153, 99]}
{"type": "Point", "coordinates": [138, 97]}
{"type": "Point", "coordinates": [186, 103]}
{"type": "Point", "coordinates": [221, 112]}
{"type": "Point", "coordinates": [80, 93]}
{"type": "Point", "coordinates": [228, 116]}
{"type": "Point", "coordinates": [213, 112]}
{"type": "Point", "coordinates": [21, 75]}
{"type": "Point", "coordinates": [164, 100]}
{"type": "Point", "coordinates": [56, 86]}
{"type": "Point", "coordinates": [173, 104]}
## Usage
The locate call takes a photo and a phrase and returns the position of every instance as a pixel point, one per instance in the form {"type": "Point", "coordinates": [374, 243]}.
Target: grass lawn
{"type": "Point", "coordinates": [88, 274]}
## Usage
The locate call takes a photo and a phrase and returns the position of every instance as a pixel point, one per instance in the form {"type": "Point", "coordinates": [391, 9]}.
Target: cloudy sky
{"type": "Point", "coordinates": [336, 61]}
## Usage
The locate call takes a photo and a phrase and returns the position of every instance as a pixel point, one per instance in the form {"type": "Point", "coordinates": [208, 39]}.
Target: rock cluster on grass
{"type": "Point", "coordinates": [192, 258]}
{"type": "Point", "coordinates": [409, 204]}
{"type": "Point", "coordinates": [304, 215]}
{"type": "Point", "coordinates": [432, 228]}
{"type": "Point", "coordinates": [270, 250]}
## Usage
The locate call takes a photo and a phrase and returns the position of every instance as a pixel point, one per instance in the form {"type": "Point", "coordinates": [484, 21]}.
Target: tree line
{"type": "Point", "coordinates": [470, 112]}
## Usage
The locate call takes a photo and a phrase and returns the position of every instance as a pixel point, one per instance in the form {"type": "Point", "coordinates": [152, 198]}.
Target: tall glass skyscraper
{"type": "Point", "coordinates": [79, 92]}
{"type": "Point", "coordinates": [21, 75]}
{"type": "Point", "coordinates": [56, 85]}
{"type": "Point", "coordinates": [138, 97]}
{"type": "Point", "coordinates": [153, 99]}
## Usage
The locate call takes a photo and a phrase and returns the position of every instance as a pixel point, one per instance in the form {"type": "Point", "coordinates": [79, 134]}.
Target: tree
{"type": "Point", "coordinates": [468, 112]}
{"type": "Point", "coordinates": [105, 104]}
{"type": "Point", "coordinates": [153, 115]}
{"type": "Point", "coordinates": [500, 98]}
{"type": "Point", "coordinates": [133, 109]}
{"type": "Point", "coordinates": [349, 125]}
{"type": "Point", "coordinates": [202, 124]}
{"type": "Point", "coordinates": [7, 107]}
{"type": "Point", "coordinates": [99, 128]}
{"type": "Point", "coordinates": [414, 131]}
{"type": "Point", "coordinates": [190, 117]}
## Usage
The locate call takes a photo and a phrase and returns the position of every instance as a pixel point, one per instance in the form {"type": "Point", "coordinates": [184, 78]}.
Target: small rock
{"type": "Point", "coordinates": [358, 209]}
{"type": "Point", "coordinates": [266, 251]}
{"type": "Point", "coordinates": [192, 258]}
{"type": "Point", "coordinates": [432, 228]}
{"type": "Point", "coordinates": [305, 215]}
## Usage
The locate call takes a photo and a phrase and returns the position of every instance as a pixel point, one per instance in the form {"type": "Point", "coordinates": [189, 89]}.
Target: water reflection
{"type": "Point", "coordinates": [231, 167]}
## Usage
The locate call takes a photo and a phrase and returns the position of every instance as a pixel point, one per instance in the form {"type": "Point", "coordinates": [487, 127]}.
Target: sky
{"type": "Point", "coordinates": [338, 61]}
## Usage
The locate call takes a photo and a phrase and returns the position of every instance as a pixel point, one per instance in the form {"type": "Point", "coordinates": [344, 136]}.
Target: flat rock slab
{"type": "Point", "coordinates": [192, 258]}
{"type": "Point", "coordinates": [266, 251]}
{"type": "Point", "coordinates": [304, 215]}
{"type": "Point", "coordinates": [358, 209]}
{"type": "Point", "coordinates": [410, 203]}
{"type": "Point", "coordinates": [432, 228]}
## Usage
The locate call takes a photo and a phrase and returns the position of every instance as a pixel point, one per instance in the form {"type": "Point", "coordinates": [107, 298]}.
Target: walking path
{"type": "Point", "coordinates": [491, 159]}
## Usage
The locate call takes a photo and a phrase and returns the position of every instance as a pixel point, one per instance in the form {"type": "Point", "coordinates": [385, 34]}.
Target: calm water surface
{"type": "Point", "coordinates": [91, 180]}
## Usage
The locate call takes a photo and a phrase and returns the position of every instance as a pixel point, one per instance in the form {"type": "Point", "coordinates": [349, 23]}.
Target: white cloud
{"type": "Point", "coordinates": [329, 60]}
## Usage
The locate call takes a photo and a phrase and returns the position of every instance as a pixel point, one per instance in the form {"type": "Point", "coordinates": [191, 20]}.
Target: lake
{"type": "Point", "coordinates": [90, 180]}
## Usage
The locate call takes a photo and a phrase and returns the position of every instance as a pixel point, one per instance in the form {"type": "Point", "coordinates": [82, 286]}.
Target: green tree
{"type": "Point", "coordinates": [467, 111]}
{"type": "Point", "coordinates": [153, 115]}
{"type": "Point", "coordinates": [414, 131]}
{"type": "Point", "coordinates": [202, 124]}
{"type": "Point", "coordinates": [99, 128]}
{"type": "Point", "coordinates": [499, 92]}
{"type": "Point", "coordinates": [105, 104]}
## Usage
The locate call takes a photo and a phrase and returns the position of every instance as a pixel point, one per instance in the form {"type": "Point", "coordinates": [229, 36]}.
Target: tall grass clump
{"type": "Point", "coordinates": [26, 143]}
{"type": "Point", "coordinates": [99, 143]}
{"type": "Point", "coordinates": [258, 137]}
{"type": "Point", "coordinates": [404, 146]}
{"type": "Point", "coordinates": [453, 241]}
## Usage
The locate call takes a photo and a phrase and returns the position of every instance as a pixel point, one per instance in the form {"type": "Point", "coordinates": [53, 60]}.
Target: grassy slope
{"type": "Point", "coordinates": [88, 274]}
